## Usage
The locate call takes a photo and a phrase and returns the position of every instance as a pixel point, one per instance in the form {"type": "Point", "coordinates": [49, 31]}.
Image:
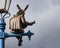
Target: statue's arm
{"type": "Point", "coordinates": [27, 23]}
{"type": "Point", "coordinates": [10, 24]}
{"type": "Point", "coordinates": [23, 19]}
{"type": "Point", "coordinates": [30, 23]}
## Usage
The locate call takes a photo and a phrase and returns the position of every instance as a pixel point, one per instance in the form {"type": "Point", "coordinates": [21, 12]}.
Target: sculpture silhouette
{"type": "Point", "coordinates": [17, 23]}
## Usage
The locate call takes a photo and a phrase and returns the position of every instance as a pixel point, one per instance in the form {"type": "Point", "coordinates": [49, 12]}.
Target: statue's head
{"type": "Point", "coordinates": [21, 11]}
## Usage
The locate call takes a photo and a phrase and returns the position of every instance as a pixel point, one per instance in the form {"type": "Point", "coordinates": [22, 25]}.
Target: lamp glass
{"type": "Point", "coordinates": [2, 3]}
{"type": "Point", "coordinates": [7, 4]}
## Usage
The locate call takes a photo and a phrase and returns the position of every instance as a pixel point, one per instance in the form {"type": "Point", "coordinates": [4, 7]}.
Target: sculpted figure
{"type": "Point", "coordinates": [17, 23]}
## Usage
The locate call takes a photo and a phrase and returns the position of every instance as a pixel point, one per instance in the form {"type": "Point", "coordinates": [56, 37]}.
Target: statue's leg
{"type": "Point", "coordinates": [20, 41]}
{"type": "Point", "coordinates": [19, 38]}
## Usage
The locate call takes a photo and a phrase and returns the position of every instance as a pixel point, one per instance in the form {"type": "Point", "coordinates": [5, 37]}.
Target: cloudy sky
{"type": "Point", "coordinates": [46, 31]}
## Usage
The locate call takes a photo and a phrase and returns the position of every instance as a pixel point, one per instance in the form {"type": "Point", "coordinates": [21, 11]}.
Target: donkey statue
{"type": "Point", "coordinates": [17, 23]}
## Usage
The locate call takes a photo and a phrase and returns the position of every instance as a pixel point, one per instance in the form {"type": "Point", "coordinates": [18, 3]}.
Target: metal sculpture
{"type": "Point", "coordinates": [16, 33]}
{"type": "Point", "coordinates": [18, 23]}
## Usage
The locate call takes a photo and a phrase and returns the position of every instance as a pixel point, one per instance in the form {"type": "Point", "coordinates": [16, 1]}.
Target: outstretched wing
{"type": "Point", "coordinates": [18, 7]}
{"type": "Point", "coordinates": [21, 9]}
{"type": "Point", "coordinates": [26, 8]}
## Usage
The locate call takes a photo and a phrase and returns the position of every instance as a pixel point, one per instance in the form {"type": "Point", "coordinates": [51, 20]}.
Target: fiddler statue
{"type": "Point", "coordinates": [17, 23]}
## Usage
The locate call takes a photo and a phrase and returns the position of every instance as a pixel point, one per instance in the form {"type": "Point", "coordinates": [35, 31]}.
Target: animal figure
{"type": "Point", "coordinates": [17, 23]}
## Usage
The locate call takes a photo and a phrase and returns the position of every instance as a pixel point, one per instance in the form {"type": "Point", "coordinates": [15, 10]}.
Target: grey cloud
{"type": "Point", "coordinates": [55, 2]}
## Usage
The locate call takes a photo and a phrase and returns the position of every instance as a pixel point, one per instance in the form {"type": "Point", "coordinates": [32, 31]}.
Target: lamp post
{"type": "Point", "coordinates": [4, 8]}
